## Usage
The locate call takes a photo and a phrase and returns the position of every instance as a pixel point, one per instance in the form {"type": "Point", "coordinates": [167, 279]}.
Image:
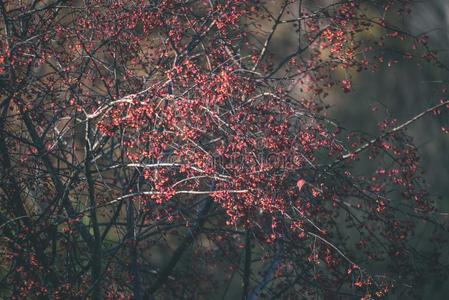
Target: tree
{"type": "Point", "coordinates": [169, 149]}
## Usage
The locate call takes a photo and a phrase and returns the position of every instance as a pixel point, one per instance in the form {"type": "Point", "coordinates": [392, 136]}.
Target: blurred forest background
{"type": "Point", "coordinates": [400, 92]}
